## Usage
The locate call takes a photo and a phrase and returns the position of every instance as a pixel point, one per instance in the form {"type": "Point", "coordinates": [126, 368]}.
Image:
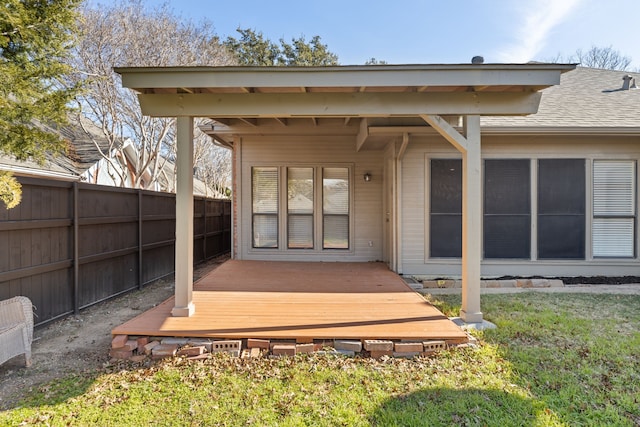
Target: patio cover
{"type": "Point", "coordinates": [434, 93]}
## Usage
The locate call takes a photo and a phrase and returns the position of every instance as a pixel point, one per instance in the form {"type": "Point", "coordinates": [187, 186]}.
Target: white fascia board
{"type": "Point", "coordinates": [344, 76]}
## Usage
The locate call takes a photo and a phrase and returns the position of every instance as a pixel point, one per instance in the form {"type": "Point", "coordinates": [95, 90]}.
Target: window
{"type": "Point", "coordinates": [315, 205]}
{"type": "Point", "coordinates": [561, 208]}
{"type": "Point", "coordinates": [264, 184]}
{"type": "Point", "coordinates": [614, 212]}
{"type": "Point", "coordinates": [335, 208]}
{"type": "Point", "coordinates": [300, 208]}
{"type": "Point", "coordinates": [507, 209]}
{"type": "Point", "coordinates": [445, 225]}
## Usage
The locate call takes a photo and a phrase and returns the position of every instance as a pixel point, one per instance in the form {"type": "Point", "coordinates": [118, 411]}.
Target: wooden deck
{"type": "Point", "coordinates": [302, 301]}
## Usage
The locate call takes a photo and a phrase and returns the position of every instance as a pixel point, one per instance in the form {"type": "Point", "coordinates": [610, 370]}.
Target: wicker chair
{"type": "Point", "coordinates": [16, 329]}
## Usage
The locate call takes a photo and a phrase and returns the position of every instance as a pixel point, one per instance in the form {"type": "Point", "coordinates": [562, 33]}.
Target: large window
{"type": "Point", "coordinates": [561, 208]}
{"type": "Point", "coordinates": [507, 209]}
{"type": "Point", "coordinates": [317, 206]}
{"type": "Point", "coordinates": [335, 208]}
{"type": "Point", "coordinates": [446, 209]}
{"type": "Point", "coordinates": [264, 184]}
{"type": "Point", "coordinates": [560, 205]}
{"type": "Point", "coordinates": [614, 208]}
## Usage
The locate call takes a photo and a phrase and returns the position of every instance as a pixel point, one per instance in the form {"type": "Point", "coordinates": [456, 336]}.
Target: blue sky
{"type": "Point", "coordinates": [433, 31]}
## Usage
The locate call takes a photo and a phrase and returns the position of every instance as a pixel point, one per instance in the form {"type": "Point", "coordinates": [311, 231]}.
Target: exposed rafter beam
{"type": "Point", "coordinates": [283, 122]}
{"type": "Point", "coordinates": [222, 121]}
{"type": "Point", "coordinates": [347, 120]}
{"type": "Point", "coordinates": [338, 104]}
{"type": "Point", "coordinates": [363, 134]}
{"type": "Point", "coordinates": [403, 146]}
{"type": "Point", "coordinates": [447, 131]}
{"type": "Point", "coordinates": [251, 122]}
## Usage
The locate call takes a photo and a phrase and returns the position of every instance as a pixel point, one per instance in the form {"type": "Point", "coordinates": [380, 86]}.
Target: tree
{"type": "Point", "coordinates": [128, 34]}
{"type": "Point", "coordinates": [598, 57]}
{"type": "Point", "coordinates": [603, 57]}
{"type": "Point", "coordinates": [301, 53]}
{"type": "Point", "coordinates": [374, 61]}
{"type": "Point", "coordinates": [252, 48]}
{"type": "Point", "coordinates": [35, 38]}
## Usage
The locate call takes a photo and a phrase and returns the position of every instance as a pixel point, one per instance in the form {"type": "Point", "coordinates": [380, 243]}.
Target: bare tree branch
{"type": "Point", "coordinates": [128, 33]}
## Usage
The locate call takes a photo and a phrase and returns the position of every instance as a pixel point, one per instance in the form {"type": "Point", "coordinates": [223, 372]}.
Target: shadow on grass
{"type": "Point", "coordinates": [467, 407]}
{"type": "Point", "coordinates": [57, 391]}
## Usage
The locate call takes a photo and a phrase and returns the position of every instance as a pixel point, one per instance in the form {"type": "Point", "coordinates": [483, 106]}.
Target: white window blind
{"type": "Point", "coordinates": [335, 208]}
{"type": "Point", "coordinates": [264, 185]}
{"type": "Point", "coordinates": [614, 201]}
{"type": "Point", "coordinates": [300, 208]}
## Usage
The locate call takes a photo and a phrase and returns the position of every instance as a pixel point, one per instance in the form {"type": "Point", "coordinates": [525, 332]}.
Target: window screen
{"type": "Point", "coordinates": [561, 208]}
{"type": "Point", "coordinates": [264, 188]}
{"type": "Point", "coordinates": [507, 209]}
{"type": "Point", "coordinates": [335, 208]}
{"type": "Point", "coordinates": [300, 208]}
{"type": "Point", "coordinates": [445, 225]}
{"type": "Point", "coordinates": [614, 211]}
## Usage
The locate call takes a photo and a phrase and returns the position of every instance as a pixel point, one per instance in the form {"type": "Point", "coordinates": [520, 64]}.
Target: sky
{"type": "Point", "coordinates": [432, 31]}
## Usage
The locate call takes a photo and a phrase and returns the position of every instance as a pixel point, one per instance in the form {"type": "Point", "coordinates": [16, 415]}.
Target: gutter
{"type": "Point", "coordinates": [39, 173]}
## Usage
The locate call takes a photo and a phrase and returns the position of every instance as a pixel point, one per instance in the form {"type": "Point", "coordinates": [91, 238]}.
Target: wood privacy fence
{"type": "Point", "coordinates": [68, 246]}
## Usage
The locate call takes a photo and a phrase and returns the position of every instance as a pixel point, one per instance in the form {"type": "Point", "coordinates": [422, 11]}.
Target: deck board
{"type": "Point", "coordinates": [300, 300]}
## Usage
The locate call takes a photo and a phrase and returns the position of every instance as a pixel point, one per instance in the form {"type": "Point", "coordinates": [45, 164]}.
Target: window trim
{"type": "Point", "coordinates": [282, 248]}
{"type": "Point", "coordinates": [633, 216]}
{"type": "Point", "coordinates": [276, 214]}
{"type": "Point", "coordinates": [312, 214]}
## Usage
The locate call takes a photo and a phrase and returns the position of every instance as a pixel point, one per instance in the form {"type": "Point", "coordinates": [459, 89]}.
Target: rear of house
{"type": "Point", "coordinates": [559, 188]}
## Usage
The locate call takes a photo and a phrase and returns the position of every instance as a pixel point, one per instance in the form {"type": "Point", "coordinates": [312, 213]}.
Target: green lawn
{"type": "Point", "coordinates": [554, 360]}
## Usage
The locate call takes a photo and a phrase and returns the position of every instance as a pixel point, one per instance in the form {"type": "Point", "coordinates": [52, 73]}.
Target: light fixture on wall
{"type": "Point", "coordinates": [367, 177]}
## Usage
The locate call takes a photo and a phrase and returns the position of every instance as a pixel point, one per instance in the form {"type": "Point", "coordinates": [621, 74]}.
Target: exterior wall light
{"type": "Point", "coordinates": [367, 177]}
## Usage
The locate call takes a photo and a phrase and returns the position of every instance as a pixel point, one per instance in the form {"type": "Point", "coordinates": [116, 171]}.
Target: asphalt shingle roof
{"type": "Point", "coordinates": [585, 98]}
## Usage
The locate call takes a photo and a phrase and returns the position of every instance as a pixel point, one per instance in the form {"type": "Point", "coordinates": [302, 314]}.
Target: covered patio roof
{"type": "Point", "coordinates": [404, 99]}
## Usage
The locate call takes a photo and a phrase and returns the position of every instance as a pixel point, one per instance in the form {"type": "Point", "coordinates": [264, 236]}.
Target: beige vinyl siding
{"type": "Point", "coordinates": [415, 196]}
{"type": "Point", "coordinates": [318, 152]}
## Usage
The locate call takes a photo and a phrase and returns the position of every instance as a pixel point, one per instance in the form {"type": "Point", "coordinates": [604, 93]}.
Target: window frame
{"type": "Point", "coordinates": [289, 215]}
{"type": "Point", "coordinates": [282, 203]}
{"type": "Point", "coordinates": [507, 215]}
{"type": "Point", "coordinates": [633, 217]}
{"type": "Point", "coordinates": [262, 214]}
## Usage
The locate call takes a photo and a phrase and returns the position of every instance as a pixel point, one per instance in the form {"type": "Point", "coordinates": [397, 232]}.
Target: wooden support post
{"type": "Point", "coordinates": [471, 221]}
{"type": "Point", "coordinates": [184, 220]}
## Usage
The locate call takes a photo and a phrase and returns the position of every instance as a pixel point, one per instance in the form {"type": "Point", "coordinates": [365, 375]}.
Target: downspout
{"type": "Point", "coordinates": [397, 244]}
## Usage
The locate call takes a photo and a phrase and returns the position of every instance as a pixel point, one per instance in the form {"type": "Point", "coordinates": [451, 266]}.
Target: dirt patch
{"type": "Point", "coordinates": [78, 344]}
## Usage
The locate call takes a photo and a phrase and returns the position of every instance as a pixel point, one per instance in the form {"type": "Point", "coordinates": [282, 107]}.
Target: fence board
{"type": "Point", "coordinates": [125, 237]}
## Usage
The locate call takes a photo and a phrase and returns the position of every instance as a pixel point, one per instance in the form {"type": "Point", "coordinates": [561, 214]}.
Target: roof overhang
{"type": "Point", "coordinates": [242, 98]}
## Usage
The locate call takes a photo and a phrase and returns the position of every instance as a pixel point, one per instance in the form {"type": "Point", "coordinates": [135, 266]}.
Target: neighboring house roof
{"type": "Point", "coordinates": [81, 136]}
{"type": "Point", "coordinates": [82, 157]}
{"type": "Point", "coordinates": [586, 98]}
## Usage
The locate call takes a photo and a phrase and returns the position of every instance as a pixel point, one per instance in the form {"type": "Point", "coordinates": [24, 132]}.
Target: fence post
{"type": "Point", "coordinates": [76, 251]}
{"type": "Point", "coordinates": [204, 240]}
{"type": "Point", "coordinates": [140, 223]}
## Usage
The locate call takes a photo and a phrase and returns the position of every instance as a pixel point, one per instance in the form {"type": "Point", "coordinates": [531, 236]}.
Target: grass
{"type": "Point", "coordinates": [554, 360]}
